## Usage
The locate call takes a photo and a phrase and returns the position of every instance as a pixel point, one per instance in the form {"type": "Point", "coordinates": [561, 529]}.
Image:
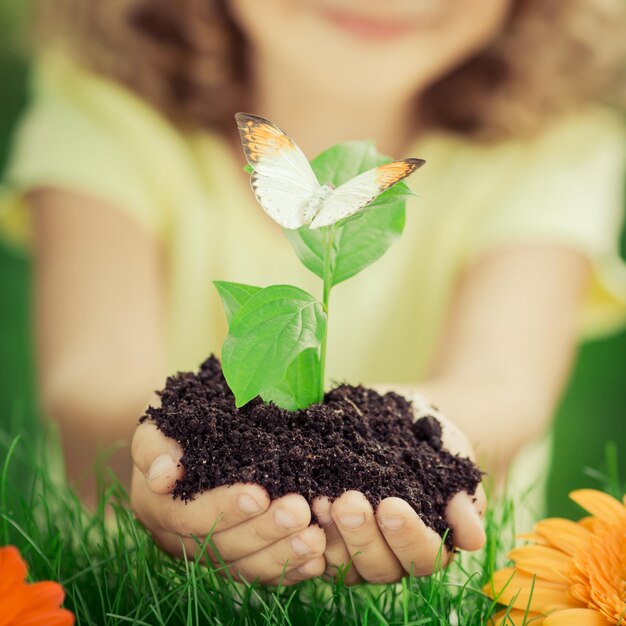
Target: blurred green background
{"type": "Point", "coordinates": [592, 413]}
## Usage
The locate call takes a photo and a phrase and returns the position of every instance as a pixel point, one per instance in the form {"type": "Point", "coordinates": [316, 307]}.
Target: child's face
{"type": "Point", "coordinates": [367, 48]}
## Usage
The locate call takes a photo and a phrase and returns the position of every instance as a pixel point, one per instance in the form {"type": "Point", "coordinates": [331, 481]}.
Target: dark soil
{"type": "Point", "coordinates": [357, 439]}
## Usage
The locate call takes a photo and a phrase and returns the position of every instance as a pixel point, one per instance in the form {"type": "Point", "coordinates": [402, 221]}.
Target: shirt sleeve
{"type": "Point", "coordinates": [566, 187]}
{"type": "Point", "coordinates": [86, 134]}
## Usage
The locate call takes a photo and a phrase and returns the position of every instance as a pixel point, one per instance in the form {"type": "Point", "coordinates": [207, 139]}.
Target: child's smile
{"type": "Point", "coordinates": [361, 49]}
{"type": "Point", "coordinates": [381, 23]}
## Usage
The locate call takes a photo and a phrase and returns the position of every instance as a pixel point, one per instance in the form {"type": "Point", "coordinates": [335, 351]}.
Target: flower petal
{"type": "Point", "coordinates": [514, 588]}
{"type": "Point", "coordinates": [599, 504]}
{"type": "Point", "coordinates": [13, 569]}
{"type": "Point", "coordinates": [588, 522]}
{"type": "Point", "coordinates": [60, 617]}
{"type": "Point", "coordinates": [576, 617]}
{"type": "Point", "coordinates": [516, 618]}
{"type": "Point", "coordinates": [28, 604]}
{"type": "Point", "coordinates": [44, 596]}
{"type": "Point", "coordinates": [534, 537]}
{"type": "Point", "coordinates": [547, 563]}
{"type": "Point", "coordinates": [564, 534]}
{"type": "Point", "coordinates": [29, 601]}
{"type": "Point", "coordinates": [12, 607]}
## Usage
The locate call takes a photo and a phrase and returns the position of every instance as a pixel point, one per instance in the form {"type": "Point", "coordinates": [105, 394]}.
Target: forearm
{"type": "Point", "coordinates": [90, 456]}
{"type": "Point", "coordinates": [499, 416]}
{"type": "Point", "coordinates": [507, 347]}
{"type": "Point", "coordinates": [98, 312]}
{"type": "Point", "coordinates": [96, 413]}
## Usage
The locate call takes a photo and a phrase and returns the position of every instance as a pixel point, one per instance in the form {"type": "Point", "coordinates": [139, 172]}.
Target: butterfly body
{"type": "Point", "coordinates": [316, 203]}
{"type": "Point", "coordinates": [287, 188]}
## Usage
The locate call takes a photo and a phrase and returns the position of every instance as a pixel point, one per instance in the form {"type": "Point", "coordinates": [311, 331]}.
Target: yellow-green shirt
{"type": "Point", "coordinates": [86, 133]}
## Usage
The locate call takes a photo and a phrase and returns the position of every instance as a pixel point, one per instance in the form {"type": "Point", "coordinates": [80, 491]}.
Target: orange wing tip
{"type": "Point", "coordinates": [247, 119]}
{"type": "Point", "coordinates": [260, 137]}
{"type": "Point", "coordinates": [391, 173]}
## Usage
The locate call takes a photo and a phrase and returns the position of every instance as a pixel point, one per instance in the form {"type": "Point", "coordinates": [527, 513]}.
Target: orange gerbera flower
{"type": "Point", "coordinates": [23, 604]}
{"type": "Point", "coordinates": [573, 573]}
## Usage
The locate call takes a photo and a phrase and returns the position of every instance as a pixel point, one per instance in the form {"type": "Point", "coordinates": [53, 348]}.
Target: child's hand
{"type": "Point", "coordinates": [386, 546]}
{"type": "Point", "coordinates": [256, 538]}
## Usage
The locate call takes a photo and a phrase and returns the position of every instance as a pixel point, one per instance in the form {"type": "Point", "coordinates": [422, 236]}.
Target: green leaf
{"type": "Point", "coordinates": [343, 161]}
{"type": "Point", "coordinates": [234, 295]}
{"type": "Point", "coordinates": [400, 192]}
{"type": "Point", "coordinates": [266, 334]}
{"type": "Point", "coordinates": [365, 240]}
{"type": "Point", "coordinates": [301, 386]}
{"type": "Point", "coordinates": [308, 244]}
{"type": "Point", "coordinates": [358, 242]}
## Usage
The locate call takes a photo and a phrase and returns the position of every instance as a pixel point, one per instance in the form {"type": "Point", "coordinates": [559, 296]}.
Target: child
{"type": "Point", "coordinates": [130, 163]}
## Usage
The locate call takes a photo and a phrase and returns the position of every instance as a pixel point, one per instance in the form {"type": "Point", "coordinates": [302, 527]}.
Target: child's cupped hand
{"type": "Point", "coordinates": [256, 538]}
{"type": "Point", "coordinates": [388, 544]}
{"type": "Point", "coordinates": [272, 541]}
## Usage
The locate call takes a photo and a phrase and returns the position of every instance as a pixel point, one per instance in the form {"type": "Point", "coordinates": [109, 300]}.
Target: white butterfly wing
{"type": "Point", "coordinates": [283, 180]}
{"type": "Point", "coordinates": [357, 193]}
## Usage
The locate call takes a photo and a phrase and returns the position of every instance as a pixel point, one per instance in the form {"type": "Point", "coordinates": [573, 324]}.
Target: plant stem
{"type": "Point", "coordinates": [329, 238]}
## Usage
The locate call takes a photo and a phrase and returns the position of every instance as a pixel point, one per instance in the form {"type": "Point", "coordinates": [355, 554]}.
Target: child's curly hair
{"type": "Point", "coordinates": [187, 58]}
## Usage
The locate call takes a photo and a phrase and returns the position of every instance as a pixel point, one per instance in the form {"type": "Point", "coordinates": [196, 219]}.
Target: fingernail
{"type": "Point", "coordinates": [393, 523]}
{"type": "Point", "coordinates": [299, 547]}
{"type": "Point", "coordinates": [284, 519]}
{"type": "Point", "coordinates": [248, 504]}
{"type": "Point", "coordinates": [352, 521]}
{"type": "Point", "coordinates": [325, 519]}
{"type": "Point", "coordinates": [161, 465]}
{"type": "Point", "coordinates": [308, 569]}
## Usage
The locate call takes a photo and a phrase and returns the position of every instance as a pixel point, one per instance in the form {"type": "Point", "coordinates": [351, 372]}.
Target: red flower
{"type": "Point", "coordinates": [23, 604]}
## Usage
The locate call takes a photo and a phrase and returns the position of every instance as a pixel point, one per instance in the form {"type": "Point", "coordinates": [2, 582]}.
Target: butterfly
{"type": "Point", "coordinates": [288, 190]}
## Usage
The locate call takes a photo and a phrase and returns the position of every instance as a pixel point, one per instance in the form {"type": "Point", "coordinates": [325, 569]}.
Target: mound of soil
{"type": "Point", "coordinates": [357, 439]}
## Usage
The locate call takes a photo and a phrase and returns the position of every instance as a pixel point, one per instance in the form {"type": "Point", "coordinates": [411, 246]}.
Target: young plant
{"type": "Point", "coordinates": [340, 213]}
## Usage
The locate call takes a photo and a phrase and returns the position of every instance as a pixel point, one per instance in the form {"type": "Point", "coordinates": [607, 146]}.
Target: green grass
{"type": "Point", "coordinates": [113, 573]}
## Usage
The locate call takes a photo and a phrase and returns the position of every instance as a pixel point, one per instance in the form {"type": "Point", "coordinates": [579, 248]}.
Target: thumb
{"type": "Point", "coordinates": [464, 515]}
{"type": "Point", "coordinates": [157, 457]}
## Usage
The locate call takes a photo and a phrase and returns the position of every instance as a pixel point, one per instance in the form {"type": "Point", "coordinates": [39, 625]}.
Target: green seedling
{"type": "Point", "coordinates": [341, 212]}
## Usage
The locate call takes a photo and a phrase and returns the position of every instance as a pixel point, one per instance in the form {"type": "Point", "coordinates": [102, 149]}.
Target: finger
{"type": "Point", "coordinates": [416, 546]}
{"type": "Point", "coordinates": [157, 457]}
{"type": "Point", "coordinates": [178, 546]}
{"type": "Point", "coordinates": [336, 553]}
{"type": "Point", "coordinates": [371, 555]}
{"type": "Point", "coordinates": [211, 511]}
{"type": "Point", "coordinates": [282, 556]}
{"type": "Point", "coordinates": [311, 569]}
{"type": "Point", "coordinates": [184, 547]}
{"type": "Point", "coordinates": [464, 512]}
{"type": "Point", "coordinates": [464, 516]}
{"type": "Point", "coordinates": [285, 516]}
{"type": "Point", "coordinates": [189, 548]}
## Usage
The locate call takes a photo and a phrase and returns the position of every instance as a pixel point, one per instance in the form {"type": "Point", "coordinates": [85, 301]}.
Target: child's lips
{"type": "Point", "coordinates": [369, 27]}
